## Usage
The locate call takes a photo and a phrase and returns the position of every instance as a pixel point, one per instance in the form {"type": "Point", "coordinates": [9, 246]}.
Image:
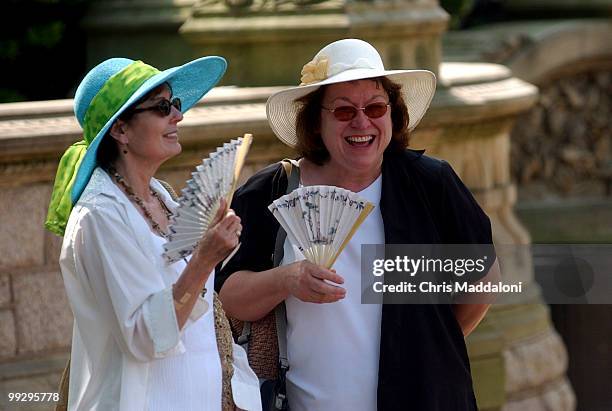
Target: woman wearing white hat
{"type": "Point", "coordinates": [145, 335]}
{"type": "Point", "coordinates": [350, 121]}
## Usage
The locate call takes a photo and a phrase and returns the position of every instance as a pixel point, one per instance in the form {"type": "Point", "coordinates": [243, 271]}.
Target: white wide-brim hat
{"type": "Point", "coordinates": [347, 60]}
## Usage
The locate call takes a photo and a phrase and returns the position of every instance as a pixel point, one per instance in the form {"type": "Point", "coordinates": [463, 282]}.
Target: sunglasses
{"type": "Point", "coordinates": [347, 113]}
{"type": "Point", "coordinates": [164, 107]}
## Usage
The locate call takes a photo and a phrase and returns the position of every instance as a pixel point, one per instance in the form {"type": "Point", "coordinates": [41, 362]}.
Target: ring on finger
{"type": "Point", "coordinates": [238, 233]}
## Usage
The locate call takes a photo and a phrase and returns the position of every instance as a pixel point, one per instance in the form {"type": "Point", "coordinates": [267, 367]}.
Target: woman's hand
{"type": "Point", "coordinates": [308, 282]}
{"type": "Point", "coordinates": [221, 237]}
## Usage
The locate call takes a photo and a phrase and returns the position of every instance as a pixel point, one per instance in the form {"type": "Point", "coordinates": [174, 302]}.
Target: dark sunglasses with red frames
{"type": "Point", "coordinates": [347, 113]}
{"type": "Point", "coordinates": [164, 107]}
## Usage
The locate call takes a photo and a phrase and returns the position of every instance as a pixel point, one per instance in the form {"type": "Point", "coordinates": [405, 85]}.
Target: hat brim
{"type": "Point", "coordinates": [418, 89]}
{"type": "Point", "coordinates": [189, 82]}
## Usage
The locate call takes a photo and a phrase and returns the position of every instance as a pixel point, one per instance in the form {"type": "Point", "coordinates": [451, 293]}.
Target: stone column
{"type": "Point", "coordinates": [268, 41]}
{"type": "Point", "coordinates": [518, 359]}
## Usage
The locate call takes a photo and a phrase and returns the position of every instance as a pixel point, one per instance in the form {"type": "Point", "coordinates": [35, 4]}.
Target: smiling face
{"type": "Point", "coordinates": [356, 145]}
{"type": "Point", "coordinates": [150, 136]}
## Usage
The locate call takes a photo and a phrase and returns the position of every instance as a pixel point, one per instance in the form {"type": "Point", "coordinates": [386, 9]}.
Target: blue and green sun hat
{"type": "Point", "coordinates": [106, 92]}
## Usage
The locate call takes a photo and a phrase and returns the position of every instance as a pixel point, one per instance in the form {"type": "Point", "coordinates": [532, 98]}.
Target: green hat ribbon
{"type": "Point", "coordinates": [115, 92]}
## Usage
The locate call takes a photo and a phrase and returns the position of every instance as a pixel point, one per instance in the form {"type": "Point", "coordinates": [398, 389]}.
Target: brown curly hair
{"type": "Point", "coordinates": [308, 122]}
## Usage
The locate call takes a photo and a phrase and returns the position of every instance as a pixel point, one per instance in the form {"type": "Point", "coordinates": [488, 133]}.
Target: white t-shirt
{"type": "Point", "coordinates": [333, 349]}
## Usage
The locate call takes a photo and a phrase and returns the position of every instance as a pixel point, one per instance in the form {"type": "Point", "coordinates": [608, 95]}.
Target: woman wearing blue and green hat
{"type": "Point", "coordinates": [145, 336]}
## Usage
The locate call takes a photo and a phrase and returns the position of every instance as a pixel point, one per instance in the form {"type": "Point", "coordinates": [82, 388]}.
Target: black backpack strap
{"type": "Point", "coordinates": [292, 171]}
{"type": "Point", "coordinates": [293, 176]}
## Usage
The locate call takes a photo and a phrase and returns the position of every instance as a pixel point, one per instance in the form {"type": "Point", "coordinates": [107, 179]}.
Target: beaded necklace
{"type": "Point", "coordinates": [132, 195]}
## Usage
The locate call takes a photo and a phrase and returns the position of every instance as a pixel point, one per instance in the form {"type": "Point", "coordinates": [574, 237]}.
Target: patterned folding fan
{"type": "Point", "coordinates": [320, 220]}
{"type": "Point", "coordinates": [212, 180]}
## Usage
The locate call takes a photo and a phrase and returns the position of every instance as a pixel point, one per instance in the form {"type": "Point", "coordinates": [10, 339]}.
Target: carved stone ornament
{"type": "Point", "coordinates": [207, 7]}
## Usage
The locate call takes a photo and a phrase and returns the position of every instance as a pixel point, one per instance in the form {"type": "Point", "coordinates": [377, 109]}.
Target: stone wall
{"type": "Point", "coordinates": [564, 145]}
{"type": "Point", "coordinates": [36, 322]}
{"type": "Point", "coordinates": [560, 156]}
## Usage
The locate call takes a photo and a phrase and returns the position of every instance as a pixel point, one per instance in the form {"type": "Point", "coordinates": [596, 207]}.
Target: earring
{"type": "Point", "coordinates": [125, 151]}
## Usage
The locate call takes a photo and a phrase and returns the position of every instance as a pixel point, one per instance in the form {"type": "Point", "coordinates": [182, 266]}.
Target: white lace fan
{"type": "Point", "coordinates": [320, 220]}
{"type": "Point", "coordinates": [212, 180]}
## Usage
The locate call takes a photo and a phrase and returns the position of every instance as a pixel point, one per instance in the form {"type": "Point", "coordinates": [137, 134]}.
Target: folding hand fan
{"type": "Point", "coordinates": [320, 220]}
{"type": "Point", "coordinates": [212, 180]}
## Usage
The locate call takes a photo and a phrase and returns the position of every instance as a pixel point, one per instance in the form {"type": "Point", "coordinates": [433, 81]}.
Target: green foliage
{"type": "Point", "coordinates": [9, 49]}
{"type": "Point", "coordinates": [457, 9]}
{"type": "Point", "coordinates": [46, 35]}
{"type": "Point", "coordinates": [42, 48]}
{"type": "Point", "coordinates": [8, 95]}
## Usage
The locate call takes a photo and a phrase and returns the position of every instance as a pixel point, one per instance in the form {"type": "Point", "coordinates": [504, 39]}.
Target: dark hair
{"type": "Point", "coordinates": [108, 151]}
{"type": "Point", "coordinates": [308, 122]}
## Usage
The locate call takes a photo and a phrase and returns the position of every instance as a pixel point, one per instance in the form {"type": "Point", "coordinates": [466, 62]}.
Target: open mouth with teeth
{"type": "Point", "coordinates": [360, 141]}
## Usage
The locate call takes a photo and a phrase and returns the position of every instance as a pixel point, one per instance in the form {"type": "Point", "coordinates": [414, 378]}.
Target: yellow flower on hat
{"type": "Point", "coordinates": [314, 71]}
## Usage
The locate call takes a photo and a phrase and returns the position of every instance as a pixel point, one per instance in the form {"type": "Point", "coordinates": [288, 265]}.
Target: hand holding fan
{"type": "Point", "coordinates": [212, 180]}
{"type": "Point", "coordinates": [320, 220]}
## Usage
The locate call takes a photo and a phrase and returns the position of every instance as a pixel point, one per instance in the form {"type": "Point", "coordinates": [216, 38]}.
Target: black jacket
{"type": "Point", "coordinates": [423, 364]}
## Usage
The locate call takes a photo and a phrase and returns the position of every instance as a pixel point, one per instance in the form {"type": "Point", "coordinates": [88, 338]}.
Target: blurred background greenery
{"type": "Point", "coordinates": [42, 48]}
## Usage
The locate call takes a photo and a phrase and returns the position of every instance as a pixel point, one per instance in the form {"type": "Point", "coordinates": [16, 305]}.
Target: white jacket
{"type": "Point", "coordinates": [120, 292]}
